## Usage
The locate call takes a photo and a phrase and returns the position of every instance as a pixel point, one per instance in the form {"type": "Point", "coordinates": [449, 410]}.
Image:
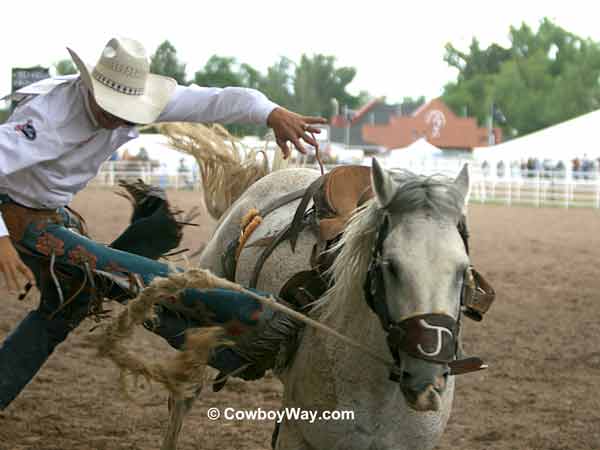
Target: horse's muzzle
{"type": "Point", "coordinates": [429, 399]}
{"type": "Point", "coordinates": [423, 383]}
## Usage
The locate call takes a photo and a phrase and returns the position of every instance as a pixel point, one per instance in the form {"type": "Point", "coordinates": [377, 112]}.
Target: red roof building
{"type": "Point", "coordinates": [433, 121]}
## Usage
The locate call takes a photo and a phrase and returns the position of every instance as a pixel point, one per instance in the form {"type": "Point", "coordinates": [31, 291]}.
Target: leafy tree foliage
{"type": "Point", "coordinates": [317, 81]}
{"type": "Point", "coordinates": [65, 67]}
{"type": "Point", "coordinates": [409, 104]}
{"type": "Point", "coordinates": [164, 61]}
{"type": "Point", "coordinates": [545, 77]}
{"type": "Point", "coordinates": [220, 71]}
{"type": "Point", "coordinates": [306, 88]}
{"type": "Point", "coordinates": [278, 84]}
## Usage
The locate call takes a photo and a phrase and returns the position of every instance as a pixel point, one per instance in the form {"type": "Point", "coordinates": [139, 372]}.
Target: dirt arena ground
{"type": "Point", "coordinates": [542, 342]}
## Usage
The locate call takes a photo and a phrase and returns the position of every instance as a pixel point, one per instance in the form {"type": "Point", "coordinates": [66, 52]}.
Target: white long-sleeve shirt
{"type": "Point", "coordinates": [52, 146]}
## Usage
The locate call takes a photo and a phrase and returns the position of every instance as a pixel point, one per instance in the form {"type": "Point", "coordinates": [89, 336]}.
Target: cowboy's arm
{"type": "Point", "coordinates": [223, 105]}
{"type": "Point", "coordinates": [241, 105]}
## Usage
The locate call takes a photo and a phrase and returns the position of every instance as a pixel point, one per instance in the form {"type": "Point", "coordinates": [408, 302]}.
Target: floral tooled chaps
{"type": "Point", "coordinates": [80, 255]}
{"type": "Point", "coordinates": [47, 244]}
{"type": "Point", "coordinates": [113, 266]}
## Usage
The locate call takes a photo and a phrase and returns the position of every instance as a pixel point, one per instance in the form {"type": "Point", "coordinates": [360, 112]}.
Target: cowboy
{"type": "Point", "coordinates": [51, 147]}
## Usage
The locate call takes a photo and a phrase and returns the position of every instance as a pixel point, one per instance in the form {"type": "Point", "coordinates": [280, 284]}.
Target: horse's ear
{"type": "Point", "coordinates": [383, 184]}
{"type": "Point", "coordinates": [463, 184]}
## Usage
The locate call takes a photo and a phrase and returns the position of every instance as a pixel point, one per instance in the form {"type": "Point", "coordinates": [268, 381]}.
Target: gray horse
{"type": "Point", "coordinates": [404, 246]}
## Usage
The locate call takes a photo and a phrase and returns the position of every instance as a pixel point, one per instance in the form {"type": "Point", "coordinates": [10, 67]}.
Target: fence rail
{"type": "Point", "coordinates": [539, 188]}
{"type": "Point", "coordinates": [531, 188]}
{"type": "Point", "coordinates": [112, 172]}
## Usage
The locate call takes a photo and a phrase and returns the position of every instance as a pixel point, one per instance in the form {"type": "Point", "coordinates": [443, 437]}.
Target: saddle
{"type": "Point", "coordinates": [344, 189]}
{"type": "Point", "coordinates": [335, 196]}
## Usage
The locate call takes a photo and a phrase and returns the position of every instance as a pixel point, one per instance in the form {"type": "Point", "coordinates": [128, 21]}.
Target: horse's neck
{"type": "Point", "coordinates": [359, 323]}
{"type": "Point", "coordinates": [355, 319]}
{"type": "Point", "coordinates": [332, 374]}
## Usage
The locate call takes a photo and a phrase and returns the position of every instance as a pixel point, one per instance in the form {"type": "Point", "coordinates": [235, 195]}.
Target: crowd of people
{"type": "Point", "coordinates": [580, 168]}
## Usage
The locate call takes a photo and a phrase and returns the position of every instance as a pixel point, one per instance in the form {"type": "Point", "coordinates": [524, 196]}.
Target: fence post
{"type": "Point", "coordinates": [483, 190]}
{"type": "Point", "coordinates": [537, 189]}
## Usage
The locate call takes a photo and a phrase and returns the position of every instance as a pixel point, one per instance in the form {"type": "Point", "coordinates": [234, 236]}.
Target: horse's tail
{"type": "Point", "coordinates": [226, 166]}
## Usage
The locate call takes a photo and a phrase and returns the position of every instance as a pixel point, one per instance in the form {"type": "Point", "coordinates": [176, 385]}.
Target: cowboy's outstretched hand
{"type": "Point", "coordinates": [291, 127]}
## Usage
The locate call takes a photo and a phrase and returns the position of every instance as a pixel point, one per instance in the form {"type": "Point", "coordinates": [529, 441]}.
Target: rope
{"type": "Point", "coordinates": [318, 156]}
{"type": "Point", "coordinates": [215, 281]}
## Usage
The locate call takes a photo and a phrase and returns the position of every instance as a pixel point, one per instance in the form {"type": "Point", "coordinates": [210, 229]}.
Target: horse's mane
{"type": "Point", "coordinates": [227, 167]}
{"type": "Point", "coordinates": [435, 195]}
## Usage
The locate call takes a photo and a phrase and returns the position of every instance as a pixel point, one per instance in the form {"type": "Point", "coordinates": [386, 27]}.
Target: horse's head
{"type": "Point", "coordinates": [417, 275]}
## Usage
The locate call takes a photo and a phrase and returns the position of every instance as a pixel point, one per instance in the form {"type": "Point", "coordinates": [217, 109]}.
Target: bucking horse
{"type": "Point", "coordinates": [380, 257]}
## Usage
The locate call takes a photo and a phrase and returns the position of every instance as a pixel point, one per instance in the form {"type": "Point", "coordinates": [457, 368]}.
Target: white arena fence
{"type": "Point", "coordinates": [112, 172]}
{"type": "Point", "coordinates": [515, 187]}
{"type": "Point", "coordinates": [538, 188]}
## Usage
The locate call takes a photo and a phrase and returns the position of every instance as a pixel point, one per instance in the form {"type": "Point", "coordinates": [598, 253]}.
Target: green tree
{"type": "Point", "coordinates": [250, 77]}
{"type": "Point", "coordinates": [224, 71]}
{"type": "Point", "coordinates": [220, 71]}
{"type": "Point", "coordinates": [547, 76]}
{"type": "Point", "coordinates": [65, 67]}
{"type": "Point", "coordinates": [477, 61]}
{"type": "Point", "coordinates": [278, 84]}
{"type": "Point", "coordinates": [307, 88]}
{"type": "Point", "coordinates": [410, 104]}
{"type": "Point", "coordinates": [317, 81]}
{"type": "Point", "coordinates": [164, 61]}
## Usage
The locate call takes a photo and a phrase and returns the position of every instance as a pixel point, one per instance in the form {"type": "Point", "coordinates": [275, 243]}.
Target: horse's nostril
{"type": "Point", "coordinates": [406, 376]}
{"type": "Point", "coordinates": [441, 382]}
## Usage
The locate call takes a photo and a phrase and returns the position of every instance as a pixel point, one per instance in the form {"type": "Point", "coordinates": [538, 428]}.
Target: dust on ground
{"type": "Point", "coordinates": [541, 340]}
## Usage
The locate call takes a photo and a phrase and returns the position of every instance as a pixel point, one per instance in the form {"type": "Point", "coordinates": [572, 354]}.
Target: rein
{"type": "Point", "coordinates": [431, 337]}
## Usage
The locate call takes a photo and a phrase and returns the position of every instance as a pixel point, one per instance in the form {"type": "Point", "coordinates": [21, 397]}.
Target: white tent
{"type": "Point", "coordinates": [574, 138]}
{"type": "Point", "coordinates": [418, 151]}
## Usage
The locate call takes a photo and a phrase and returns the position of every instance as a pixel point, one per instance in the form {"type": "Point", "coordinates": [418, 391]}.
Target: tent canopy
{"type": "Point", "coordinates": [420, 150]}
{"type": "Point", "coordinates": [565, 141]}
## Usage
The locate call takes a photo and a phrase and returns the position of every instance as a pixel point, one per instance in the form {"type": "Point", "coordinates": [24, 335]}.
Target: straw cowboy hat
{"type": "Point", "coordinates": [122, 84]}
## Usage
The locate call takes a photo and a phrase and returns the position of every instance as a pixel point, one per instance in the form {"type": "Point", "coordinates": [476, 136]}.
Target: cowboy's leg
{"type": "Point", "coordinates": [237, 312]}
{"type": "Point", "coordinates": [258, 331]}
{"type": "Point", "coordinates": [29, 345]}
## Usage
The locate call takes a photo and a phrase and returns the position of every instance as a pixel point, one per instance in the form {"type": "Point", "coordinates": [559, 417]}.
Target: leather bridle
{"type": "Point", "coordinates": [431, 337]}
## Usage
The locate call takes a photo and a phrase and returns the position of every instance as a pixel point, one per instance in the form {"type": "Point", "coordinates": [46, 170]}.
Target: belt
{"type": "Point", "coordinates": [18, 217]}
{"type": "Point", "coordinates": [5, 198]}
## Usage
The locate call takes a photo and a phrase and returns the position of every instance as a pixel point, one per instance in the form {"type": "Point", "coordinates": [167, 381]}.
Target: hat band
{"type": "Point", "coordinates": [116, 86]}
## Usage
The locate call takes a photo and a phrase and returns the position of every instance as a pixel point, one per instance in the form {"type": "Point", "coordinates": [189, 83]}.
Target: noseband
{"type": "Point", "coordinates": [430, 337]}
